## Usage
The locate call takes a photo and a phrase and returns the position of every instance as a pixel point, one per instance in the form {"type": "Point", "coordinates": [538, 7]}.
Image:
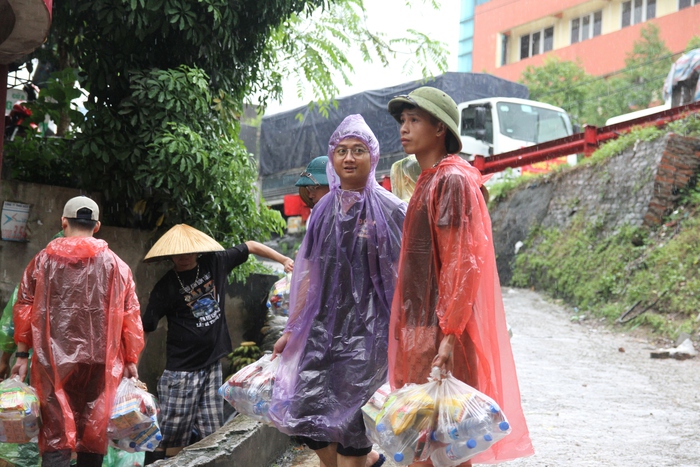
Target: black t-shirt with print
{"type": "Point", "coordinates": [197, 331]}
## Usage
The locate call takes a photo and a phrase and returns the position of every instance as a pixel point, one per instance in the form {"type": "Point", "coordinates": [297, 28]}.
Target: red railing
{"type": "Point", "coordinates": [585, 142]}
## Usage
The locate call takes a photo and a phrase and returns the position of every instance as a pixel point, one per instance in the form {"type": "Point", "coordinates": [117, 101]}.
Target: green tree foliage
{"type": "Point", "coordinates": [319, 50]}
{"type": "Point", "coordinates": [40, 157]}
{"type": "Point", "coordinates": [693, 43]}
{"type": "Point", "coordinates": [166, 81]}
{"type": "Point", "coordinates": [592, 100]}
{"type": "Point", "coordinates": [559, 82]}
{"type": "Point", "coordinates": [646, 67]}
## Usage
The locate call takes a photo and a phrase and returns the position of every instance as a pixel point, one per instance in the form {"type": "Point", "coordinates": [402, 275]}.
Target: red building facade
{"type": "Point", "coordinates": [510, 35]}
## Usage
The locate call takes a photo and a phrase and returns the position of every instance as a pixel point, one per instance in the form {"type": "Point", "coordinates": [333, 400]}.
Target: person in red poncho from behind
{"type": "Point", "coordinates": [77, 308]}
{"type": "Point", "coordinates": [447, 310]}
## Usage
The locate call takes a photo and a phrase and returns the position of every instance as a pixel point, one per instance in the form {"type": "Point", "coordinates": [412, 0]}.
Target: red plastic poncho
{"type": "Point", "coordinates": [77, 308]}
{"type": "Point", "coordinates": [448, 284]}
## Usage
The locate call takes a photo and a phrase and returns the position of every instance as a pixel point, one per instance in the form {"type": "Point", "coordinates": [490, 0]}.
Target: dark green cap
{"type": "Point", "coordinates": [438, 104]}
{"type": "Point", "coordinates": [315, 173]}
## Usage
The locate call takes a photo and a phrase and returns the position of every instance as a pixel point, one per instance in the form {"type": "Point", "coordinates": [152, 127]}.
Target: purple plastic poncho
{"type": "Point", "coordinates": [340, 301]}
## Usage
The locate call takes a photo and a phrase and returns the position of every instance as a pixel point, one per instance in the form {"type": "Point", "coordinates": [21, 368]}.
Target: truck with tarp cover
{"type": "Point", "coordinates": [289, 140]}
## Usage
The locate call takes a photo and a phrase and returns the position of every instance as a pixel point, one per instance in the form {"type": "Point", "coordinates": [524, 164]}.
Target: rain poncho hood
{"type": "Point", "coordinates": [77, 305]}
{"type": "Point", "coordinates": [340, 300]}
{"type": "Point", "coordinates": [448, 284]}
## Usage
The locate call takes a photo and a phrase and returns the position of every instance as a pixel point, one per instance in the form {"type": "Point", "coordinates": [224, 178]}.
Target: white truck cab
{"type": "Point", "coordinates": [501, 124]}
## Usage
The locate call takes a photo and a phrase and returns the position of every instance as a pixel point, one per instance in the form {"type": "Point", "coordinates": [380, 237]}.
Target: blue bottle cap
{"type": "Point", "coordinates": [471, 444]}
{"type": "Point", "coordinates": [158, 437]}
{"type": "Point", "coordinates": [381, 427]}
{"type": "Point", "coordinates": [433, 436]}
{"type": "Point", "coordinates": [132, 444]}
{"type": "Point", "coordinates": [398, 457]}
{"type": "Point", "coordinates": [504, 426]}
{"type": "Point", "coordinates": [495, 409]}
{"type": "Point", "coordinates": [454, 434]}
{"type": "Point", "coordinates": [488, 437]}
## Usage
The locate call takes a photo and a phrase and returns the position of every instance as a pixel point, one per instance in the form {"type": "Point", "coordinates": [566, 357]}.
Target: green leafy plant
{"type": "Point", "coordinates": [244, 355]}
{"type": "Point", "coordinates": [166, 83]}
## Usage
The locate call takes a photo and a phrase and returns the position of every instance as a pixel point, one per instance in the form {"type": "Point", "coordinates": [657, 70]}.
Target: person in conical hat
{"type": "Point", "coordinates": [192, 298]}
{"type": "Point", "coordinates": [447, 309]}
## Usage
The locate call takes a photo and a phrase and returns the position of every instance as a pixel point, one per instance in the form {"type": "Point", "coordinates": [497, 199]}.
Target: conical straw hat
{"type": "Point", "coordinates": [181, 240]}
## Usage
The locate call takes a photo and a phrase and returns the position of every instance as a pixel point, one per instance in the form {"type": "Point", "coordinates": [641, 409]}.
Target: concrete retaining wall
{"type": "Point", "coordinates": [241, 442]}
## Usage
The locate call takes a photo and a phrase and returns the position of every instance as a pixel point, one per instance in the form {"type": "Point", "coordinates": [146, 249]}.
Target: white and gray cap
{"type": "Point", "coordinates": [70, 210]}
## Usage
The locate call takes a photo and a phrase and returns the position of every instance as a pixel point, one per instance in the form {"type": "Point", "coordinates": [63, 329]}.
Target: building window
{"type": "Point", "coordinates": [638, 11]}
{"type": "Point", "coordinates": [536, 43]}
{"type": "Point", "coordinates": [686, 3]}
{"type": "Point", "coordinates": [504, 49]}
{"type": "Point", "coordinates": [587, 26]}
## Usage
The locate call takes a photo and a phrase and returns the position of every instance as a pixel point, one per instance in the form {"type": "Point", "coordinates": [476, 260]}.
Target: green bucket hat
{"type": "Point", "coordinates": [315, 173]}
{"type": "Point", "coordinates": [438, 104]}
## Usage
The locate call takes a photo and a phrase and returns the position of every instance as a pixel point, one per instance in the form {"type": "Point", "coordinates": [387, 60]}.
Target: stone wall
{"type": "Point", "coordinates": [245, 304]}
{"type": "Point", "coordinates": [638, 186]}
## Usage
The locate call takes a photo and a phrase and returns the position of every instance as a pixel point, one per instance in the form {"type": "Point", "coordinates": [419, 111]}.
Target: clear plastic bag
{"type": "Point", "coordinates": [401, 422]}
{"type": "Point", "coordinates": [278, 300]}
{"type": "Point", "coordinates": [20, 417]}
{"type": "Point", "coordinates": [468, 422]}
{"type": "Point", "coordinates": [133, 424]}
{"type": "Point", "coordinates": [250, 389]}
{"type": "Point", "coordinates": [444, 419]}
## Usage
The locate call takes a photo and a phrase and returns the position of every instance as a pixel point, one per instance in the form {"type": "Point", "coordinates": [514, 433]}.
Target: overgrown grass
{"type": "Point", "coordinates": [622, 142]}
{"type": "Point", "coordinates": [507, 182]}
{"type": "Point", "coordinates": [605, 274]}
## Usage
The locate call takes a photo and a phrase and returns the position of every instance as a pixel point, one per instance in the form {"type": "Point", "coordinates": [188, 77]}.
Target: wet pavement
{"type": "Point", "coordinates": [592, 395]}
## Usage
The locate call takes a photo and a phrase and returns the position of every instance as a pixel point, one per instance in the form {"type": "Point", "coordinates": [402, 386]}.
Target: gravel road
{"type": "Point", "coordinates": [592, 395]}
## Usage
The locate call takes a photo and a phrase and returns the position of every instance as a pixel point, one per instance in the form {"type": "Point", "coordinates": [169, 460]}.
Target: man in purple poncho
{"type": "Point", "coordinates": [334, 348]}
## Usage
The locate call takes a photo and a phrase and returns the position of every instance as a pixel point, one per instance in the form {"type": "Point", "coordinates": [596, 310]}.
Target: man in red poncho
{"type": "Point", "coordinates": [447, 309]}
{"type": "Point", "coordinates": [77, 308]}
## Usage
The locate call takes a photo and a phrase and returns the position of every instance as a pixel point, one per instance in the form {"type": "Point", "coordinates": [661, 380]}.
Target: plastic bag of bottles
{"type": "Point", "coordinates": [468, 422]}
{"type": "Point", "coordinates": [133, 424]}
{"type": "Point", "coordinates": [278, 300]}
{"type": "Point", "coordinates": [401, 422]}
{"type": "Point", "coordinates": [20, 417]}
{"type": "Point", "coordinates": [250, 389]}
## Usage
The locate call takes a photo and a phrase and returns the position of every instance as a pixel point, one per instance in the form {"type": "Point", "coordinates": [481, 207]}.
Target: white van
{"type": "Point", "coordinates": [500, 124]}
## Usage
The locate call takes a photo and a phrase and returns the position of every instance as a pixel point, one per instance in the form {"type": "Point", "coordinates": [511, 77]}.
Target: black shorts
{"type": "Point", "coordinates": [342, 450]}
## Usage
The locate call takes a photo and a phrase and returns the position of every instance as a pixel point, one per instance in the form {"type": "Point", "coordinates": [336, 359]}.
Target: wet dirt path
{"type": "Point", "coordinates": [592, 396]}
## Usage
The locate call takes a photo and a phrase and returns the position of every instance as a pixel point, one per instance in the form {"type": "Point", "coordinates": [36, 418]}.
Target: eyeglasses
{"type": "Point", "coordinates": [356, 152]}
{"type": "Point", "coordinates": [308, 175]}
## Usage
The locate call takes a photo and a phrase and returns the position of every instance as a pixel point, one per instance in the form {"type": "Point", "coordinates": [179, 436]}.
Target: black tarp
{"type": "Point", "coordinates": [288, 143]}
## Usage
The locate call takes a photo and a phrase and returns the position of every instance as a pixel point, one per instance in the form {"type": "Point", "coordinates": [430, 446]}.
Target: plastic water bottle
{"type": "Point", "coordinates": [447, 433]}
{"type": "Point", "coordinates": [399, 447]}
{"type": "Point", "coordinates": [261, 408]}
{"type": "Point", "coordinates": [470, 427]}
{"type": "Point", "coordinates": [31, 424]}
{"type": "Point", "coordinates": [453, 454]}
